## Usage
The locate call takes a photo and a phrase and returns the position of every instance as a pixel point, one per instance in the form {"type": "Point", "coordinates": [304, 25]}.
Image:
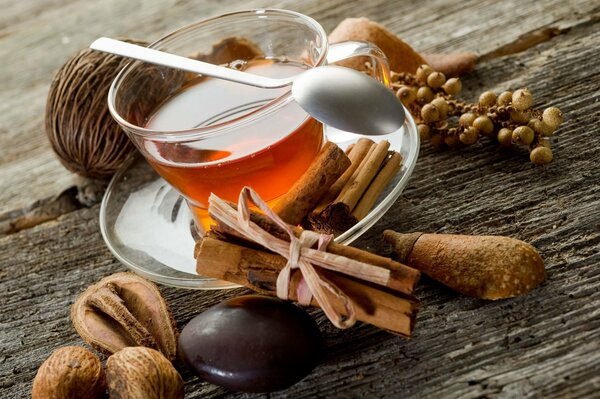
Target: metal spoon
{"type": "Point", "coordinates": [339, 97]}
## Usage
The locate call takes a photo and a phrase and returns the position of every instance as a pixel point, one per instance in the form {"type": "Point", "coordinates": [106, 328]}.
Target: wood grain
{"type": "Point", "coordinates": [546, 344]}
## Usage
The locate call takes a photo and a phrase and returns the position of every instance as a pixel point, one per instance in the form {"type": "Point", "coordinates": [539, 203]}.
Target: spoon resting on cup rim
{"type": "Point", "coordinates": [339, 97]}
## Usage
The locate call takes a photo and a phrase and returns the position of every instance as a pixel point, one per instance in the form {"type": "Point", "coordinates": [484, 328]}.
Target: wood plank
{"type": "Point", "coordinates": [546, 344]}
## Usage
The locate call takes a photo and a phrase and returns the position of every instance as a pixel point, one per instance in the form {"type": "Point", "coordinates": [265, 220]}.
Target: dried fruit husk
{"type": "Point", "coordinates": [79, 126]}
{"type": "Point", "coordinates": [401, 56]}
{"type": "Point", "coordinates": [125, 310]}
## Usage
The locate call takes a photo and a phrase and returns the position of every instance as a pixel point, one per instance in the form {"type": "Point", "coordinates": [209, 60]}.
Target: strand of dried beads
{"type": "Point", "coordinates": [507, 118]}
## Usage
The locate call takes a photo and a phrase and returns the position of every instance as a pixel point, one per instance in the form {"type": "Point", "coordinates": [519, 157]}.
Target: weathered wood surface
{"type": "Point", "coordinates": [546, 344]}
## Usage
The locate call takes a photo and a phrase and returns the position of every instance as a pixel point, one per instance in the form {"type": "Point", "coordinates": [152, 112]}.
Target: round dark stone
{"type": "Point", "coordinates": [252, 343]}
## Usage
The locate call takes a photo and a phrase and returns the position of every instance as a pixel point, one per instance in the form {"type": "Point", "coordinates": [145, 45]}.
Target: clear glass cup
{"type": "Point", "coordinates": [244, 135]}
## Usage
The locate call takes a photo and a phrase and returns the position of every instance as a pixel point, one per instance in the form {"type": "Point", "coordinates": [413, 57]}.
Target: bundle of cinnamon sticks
{"type": "Point", "coordinates": [225, 254]}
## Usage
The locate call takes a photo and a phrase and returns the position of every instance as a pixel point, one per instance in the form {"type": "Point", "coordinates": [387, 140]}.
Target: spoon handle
{"type": "Point", "coordinates": [157, 57]}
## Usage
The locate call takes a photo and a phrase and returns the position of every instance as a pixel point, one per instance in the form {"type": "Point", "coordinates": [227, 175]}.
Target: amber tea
{"type": "Point", "coordinates": [268, 155]}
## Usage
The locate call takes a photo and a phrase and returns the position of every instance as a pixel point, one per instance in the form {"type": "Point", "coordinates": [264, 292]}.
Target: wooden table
{"type": "Point", "coordinates": [546, 344]}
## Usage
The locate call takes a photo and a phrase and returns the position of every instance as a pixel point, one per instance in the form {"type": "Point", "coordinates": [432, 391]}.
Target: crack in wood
{"type": "Point", "coordinates": [533, 38]}
{"type": "Point", "coordinates": [524, 42]}
{"type": "Point", "coordinates": [44, 210]}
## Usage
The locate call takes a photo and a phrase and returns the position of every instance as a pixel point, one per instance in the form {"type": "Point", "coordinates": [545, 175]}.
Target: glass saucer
{"type": "Point", "coordinates": [147, 225]}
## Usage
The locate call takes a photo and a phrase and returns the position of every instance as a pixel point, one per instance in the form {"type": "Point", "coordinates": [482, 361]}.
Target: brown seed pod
{"type": "Point", "coordinates": [541, 155]}
{"type": "Point", "coordinates": [124, 310]}
{"type": "Point", "coordinates": [78, 124]}
{"type": "Point", "coordinates": [505, 137]}
{"type": "Point", "coordinates": [452, 86]}
{"type": "Point", "coordinates": [71, 372]}
{"type": "Point", "coordinates": [469, 135]}
{"type": "Point", "coordinates": [523, 135]}
{"type": "Point", "coordinates": [487, 267]}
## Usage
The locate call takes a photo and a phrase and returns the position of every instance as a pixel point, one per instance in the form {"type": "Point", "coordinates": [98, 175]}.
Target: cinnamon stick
{"type": "Point", "coordinates": [349, 149]}
{"type": "Point", "coordinates": [359, 182]}
{"type": "Point", "coordinates": [402, 278]}
{"type": "Point", "coordinates": [357, 154]}
{"type": "Point", "coordinates": [389, 169]}
{"type": "Point", "coordinates": [337, 217]}
{"type": "Point", "coordinates": [304, 195]}
{"type": "Point", "coordinates": [258, 270]}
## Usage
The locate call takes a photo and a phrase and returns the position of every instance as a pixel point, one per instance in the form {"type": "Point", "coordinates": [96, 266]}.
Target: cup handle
{"type": "Point", "coordinates": [350, 49]}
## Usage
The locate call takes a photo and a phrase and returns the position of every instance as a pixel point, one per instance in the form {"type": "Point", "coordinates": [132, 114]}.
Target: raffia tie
{"type": "Point", "coordinates": [295, 251]}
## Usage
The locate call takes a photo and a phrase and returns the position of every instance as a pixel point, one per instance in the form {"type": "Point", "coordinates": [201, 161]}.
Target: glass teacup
{"type": "Point", "coordinates": [206, 135]}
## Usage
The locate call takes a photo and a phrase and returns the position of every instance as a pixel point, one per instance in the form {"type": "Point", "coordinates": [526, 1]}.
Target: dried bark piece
{"type": "Point", "coordinates": [453, 64]}
{"type": "Point", "coordinates": [124, 310]}
{"type": "Point", "coordinates": [231, 49]}
{"type": "Point", "coordinates": [487, 267]}
{"type": "Point", "coordinates": [401, 56]}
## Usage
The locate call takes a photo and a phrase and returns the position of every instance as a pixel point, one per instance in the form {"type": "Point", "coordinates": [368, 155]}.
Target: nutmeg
{"type": "Point", "coordinates": [78, 124]}
{"type": "Point", "coordinates": [70, 372]}
{"type": "Point", "coordinates": [142, 373]}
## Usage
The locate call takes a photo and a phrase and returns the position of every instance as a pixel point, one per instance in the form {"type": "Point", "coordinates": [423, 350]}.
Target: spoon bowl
{"type": "Point", "coordinates": [339, 97]}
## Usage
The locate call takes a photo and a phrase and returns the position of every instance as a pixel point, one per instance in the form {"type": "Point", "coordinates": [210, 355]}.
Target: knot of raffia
{"type": "Point", "coordinates": [299, 253]}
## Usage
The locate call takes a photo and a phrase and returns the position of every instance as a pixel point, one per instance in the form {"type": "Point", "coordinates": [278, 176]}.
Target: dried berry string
{"type": "Point", "coordinates": [445, 120]}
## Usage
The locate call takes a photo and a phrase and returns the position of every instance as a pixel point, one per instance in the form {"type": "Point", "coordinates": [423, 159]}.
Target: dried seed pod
{"type": "Point", "coordinates": [469, 135]}
{"type": "Point", "coordinates": [484, 124]}
{"type": "Point", "coordinates": [505, 137]}
{"type": "Point", "coordinates": [452, 140]}
{"type": "Point", "coordinates": [139, 372]}
{"type": "Point", "coordinates": [423, 72]}
{"type": "Point", "coordinates": [407, 95]}
{"type": "Point", "coordinates": [424, 131]}
{"type": "Point", "coordinates": [71, 372]}
{"type": "Point", "coordinates": [487, 99]}
{"type": "Point", "coordinates": [492, 116]}
{"type": "Point", "coordinates": [124, 310]}
{"type": "Point", "coordinates": [425, 94]}
{"type": "Point", "coordinates": [442, 106]}
{"type": "Point", "coordinates": [436, 80]}
{"type": "Point", "coordinates": [522, 99]}
{"type": "Point", "coordinates": [505, 98]}
{"type": "Point", "coordinates": [487, 267]}
{"type": "Point", "coordinates": [523, 135]}
{"type": "Point", "coordinates": [541, 155]}
{"type": "Point", "coordinates": [430, 113]}
{"type": "Point", "coordinates": [453, 86]}
{"type": "Point", "coordinates": [553, 117]}
{"type": "Point", "coordinates": [79, 127]}
{"type": "Point", "coordinates": [467, 119]}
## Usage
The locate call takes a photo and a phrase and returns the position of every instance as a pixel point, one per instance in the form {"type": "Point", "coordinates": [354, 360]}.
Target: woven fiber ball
{"type": "Point", "coordinates": [78, 124]}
